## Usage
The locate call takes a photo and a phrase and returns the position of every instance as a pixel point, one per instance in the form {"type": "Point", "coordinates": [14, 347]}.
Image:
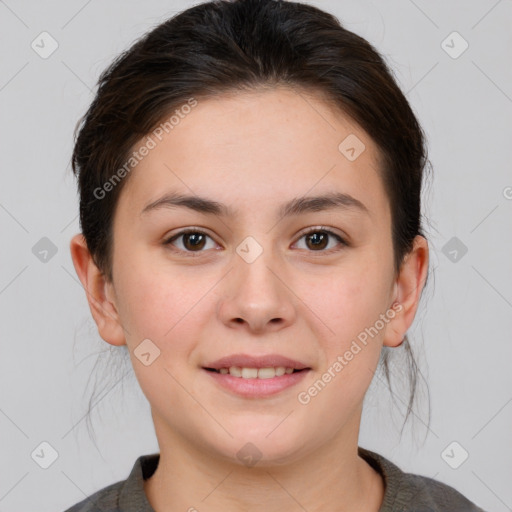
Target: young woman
{"type": "Point", "coordinates": [250, 178]}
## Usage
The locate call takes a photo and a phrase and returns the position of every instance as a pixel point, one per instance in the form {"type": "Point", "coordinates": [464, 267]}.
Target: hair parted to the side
{"type": "Point", "coordinates": [225, 47]}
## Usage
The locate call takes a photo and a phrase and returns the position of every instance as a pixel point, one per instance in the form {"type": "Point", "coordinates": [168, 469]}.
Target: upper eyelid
{"type": "Point", "coordinates": [313, 229]}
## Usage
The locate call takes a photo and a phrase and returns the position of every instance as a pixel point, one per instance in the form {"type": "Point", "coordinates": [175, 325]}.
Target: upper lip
{"type": "Point", "coordinates": [248, 361]}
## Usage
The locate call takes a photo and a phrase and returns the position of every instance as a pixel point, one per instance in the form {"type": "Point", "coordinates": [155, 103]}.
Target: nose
{"type": "Point", "coordinates": [256, 297]}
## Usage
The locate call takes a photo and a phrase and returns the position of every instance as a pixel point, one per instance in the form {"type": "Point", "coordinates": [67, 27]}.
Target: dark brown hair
{"type": "Point", "coordinates": [221, 47]}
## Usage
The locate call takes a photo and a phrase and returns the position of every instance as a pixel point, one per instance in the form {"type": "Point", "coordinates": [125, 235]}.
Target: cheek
{"type": "Point", "coordinates": [166, 309]}
{"type": "Point", "coordinates": [158, 303]}
{"type": "Point", "coordinates": [349, 300]}
{"type": "Point", "coordinates": [350, 304]}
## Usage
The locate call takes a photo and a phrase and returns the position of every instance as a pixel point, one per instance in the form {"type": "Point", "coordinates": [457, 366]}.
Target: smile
{"type": "Point", "coordinates": [256, 382]}
{"type": "Point", "coordinates": [254, 373]}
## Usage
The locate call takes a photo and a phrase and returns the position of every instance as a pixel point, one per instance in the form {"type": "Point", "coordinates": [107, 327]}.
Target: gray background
{"type": "Point", "coordinates": [462, 333]}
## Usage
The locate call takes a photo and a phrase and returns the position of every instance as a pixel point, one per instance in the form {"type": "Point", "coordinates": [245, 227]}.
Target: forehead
{"type": "Point", "coordinates": [259, 147]}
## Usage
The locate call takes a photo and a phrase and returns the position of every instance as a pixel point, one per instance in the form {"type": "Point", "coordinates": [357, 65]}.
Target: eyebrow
{"type": "Point", "coordinates": [297, 206]}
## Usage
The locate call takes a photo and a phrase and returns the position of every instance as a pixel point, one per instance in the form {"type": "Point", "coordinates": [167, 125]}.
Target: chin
{"type": "Point", "coordinates": [263, 447]}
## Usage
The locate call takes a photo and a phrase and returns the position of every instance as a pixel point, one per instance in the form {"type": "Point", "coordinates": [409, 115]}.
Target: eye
{"type": "Point", "coordinates": [192, 241]}
{"type": "Point", "coordinates": [318, 239]}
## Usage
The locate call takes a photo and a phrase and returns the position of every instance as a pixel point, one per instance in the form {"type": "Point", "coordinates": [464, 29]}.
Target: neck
{"type": "Point", "coordinates": [332, 477]}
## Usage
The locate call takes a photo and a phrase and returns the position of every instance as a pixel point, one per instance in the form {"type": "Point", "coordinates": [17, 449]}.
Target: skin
{"type": "Point", "coordinates": [253, 152]}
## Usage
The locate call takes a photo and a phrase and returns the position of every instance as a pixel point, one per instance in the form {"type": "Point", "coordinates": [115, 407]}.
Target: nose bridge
{"type": "Point", "coordinates": [256, 293]}
{"type": "Point", "coordinates": [255, 267]}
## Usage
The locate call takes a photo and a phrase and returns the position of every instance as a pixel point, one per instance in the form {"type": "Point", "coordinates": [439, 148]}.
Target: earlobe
{"type": "Point", "coordinates": [407, 292]}
{"type": "Point", "coordinates": [98, 291]}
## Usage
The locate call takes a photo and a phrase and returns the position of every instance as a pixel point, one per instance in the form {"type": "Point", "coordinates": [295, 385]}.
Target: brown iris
{"type": "Point", "coordinates": [318, 238]}
{"type": "Point", "coordinates": [193, 241]}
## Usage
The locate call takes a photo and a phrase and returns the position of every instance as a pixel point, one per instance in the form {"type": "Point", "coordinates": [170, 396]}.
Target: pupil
{"type": "Point", "coordinates": [318, 239]}
{"type": "Point", "coordinates": [190, 237]}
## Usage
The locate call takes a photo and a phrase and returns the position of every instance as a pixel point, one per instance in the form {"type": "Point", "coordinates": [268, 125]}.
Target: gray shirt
{"type": "Point", "coordinates": [405, 492]}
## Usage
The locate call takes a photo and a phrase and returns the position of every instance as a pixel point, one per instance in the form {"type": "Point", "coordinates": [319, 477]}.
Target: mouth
{"type": "Point", "coordinates": [256, 373]}
{"type": "Point", "coordinates": [255, 376]}
{"type": "Point", "coordinates": [251, 382]}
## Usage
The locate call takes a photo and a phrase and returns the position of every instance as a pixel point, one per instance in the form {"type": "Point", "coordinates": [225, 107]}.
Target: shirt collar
{"type": "Point", "coordinates": [132, 497]}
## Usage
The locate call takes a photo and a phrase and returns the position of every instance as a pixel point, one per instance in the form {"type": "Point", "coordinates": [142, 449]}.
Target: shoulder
{"type": "Point", "coordinates": [410, 492]}
{"type": "Point", "coordinates": [106, 499]}
{"type": "Point", "coordinates": [433, 495]}
{"type": "Point", "coordinates": [123, 496]}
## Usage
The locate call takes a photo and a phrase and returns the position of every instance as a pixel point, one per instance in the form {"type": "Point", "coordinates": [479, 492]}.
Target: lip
{"type": "Point", "coordinates": [248, 361]}
{"type": "Point", "coordinates": [256, 388]}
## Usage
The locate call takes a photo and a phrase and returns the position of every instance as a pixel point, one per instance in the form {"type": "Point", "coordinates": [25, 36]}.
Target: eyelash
{"type": "Point", "coordinates": [193, 254]}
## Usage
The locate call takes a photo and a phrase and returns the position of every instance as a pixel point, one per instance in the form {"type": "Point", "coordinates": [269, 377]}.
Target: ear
{"type": "Point", "coordinates": [407, 292]}
{"type": "Point", "coordinates": [100, 293]}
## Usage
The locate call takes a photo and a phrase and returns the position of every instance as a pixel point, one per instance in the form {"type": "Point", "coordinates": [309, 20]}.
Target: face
{"type": "Point", "coordinates": [315, 285]}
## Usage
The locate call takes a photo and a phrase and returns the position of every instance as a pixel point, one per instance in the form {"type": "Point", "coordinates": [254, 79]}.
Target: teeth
{"type": "Point", "coordinates": [255, 373]}
{"type": "Point", "coordinates": [249, 373]}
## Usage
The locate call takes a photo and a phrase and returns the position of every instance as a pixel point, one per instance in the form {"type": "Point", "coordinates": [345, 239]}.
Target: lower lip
{"type": "Point", "coordinates": [257, 388]}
